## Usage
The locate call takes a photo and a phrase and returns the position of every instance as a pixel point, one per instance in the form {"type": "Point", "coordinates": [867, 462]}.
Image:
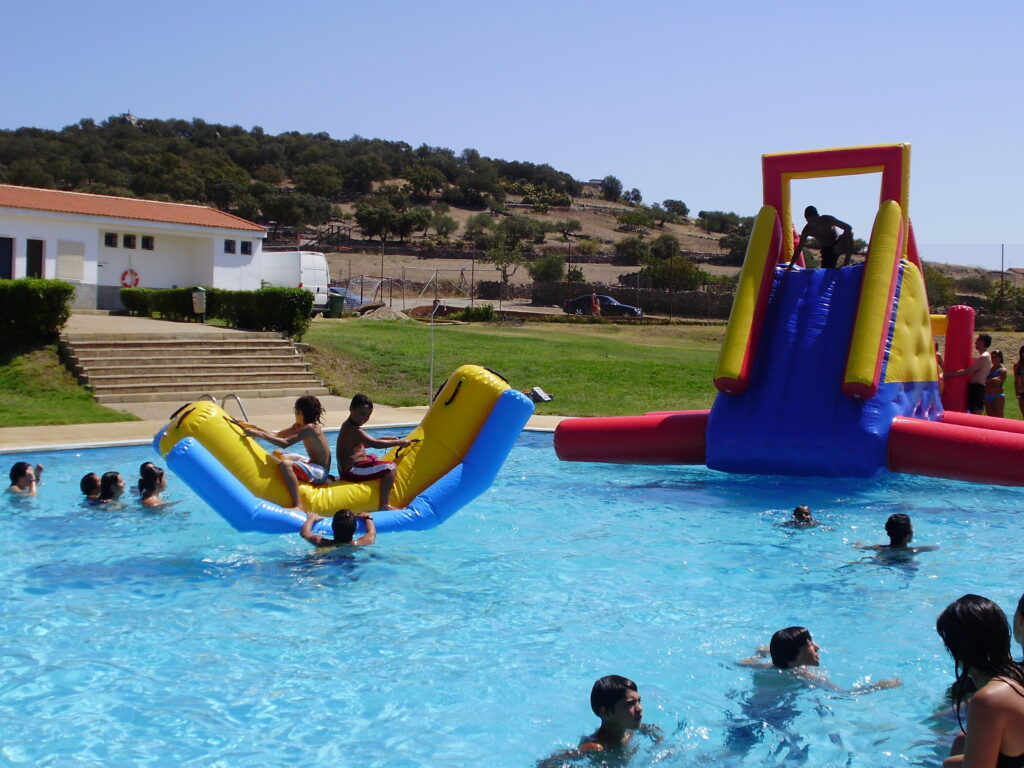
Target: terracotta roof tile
{"type": "Point", "coordinates": [121, 208]}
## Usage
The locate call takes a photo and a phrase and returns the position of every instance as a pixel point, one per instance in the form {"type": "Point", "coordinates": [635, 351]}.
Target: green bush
{"type": "Point", "coordinates": [286, 310]}
{"type": "Point", "coordinates": [481, 314]}
{"type": "Point", "coordinates": [32, 311]}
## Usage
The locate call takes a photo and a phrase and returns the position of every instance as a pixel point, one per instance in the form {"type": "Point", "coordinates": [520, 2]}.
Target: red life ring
{"type": "Point", "coordinates": [129, 279]}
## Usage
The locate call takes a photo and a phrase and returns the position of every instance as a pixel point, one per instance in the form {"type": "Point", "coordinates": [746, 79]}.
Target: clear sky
{"type": "Point", "coordinates": [677, 98]}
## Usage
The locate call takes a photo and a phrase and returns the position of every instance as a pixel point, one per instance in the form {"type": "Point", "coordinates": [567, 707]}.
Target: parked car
{"type": "Point", "coordinates": [609, 307]}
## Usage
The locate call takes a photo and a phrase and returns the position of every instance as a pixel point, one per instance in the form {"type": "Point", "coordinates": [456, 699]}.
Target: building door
{"type": "Point", "coordinates": [6, 258]}
{"type": "Point", "coordinates": [34, 255]}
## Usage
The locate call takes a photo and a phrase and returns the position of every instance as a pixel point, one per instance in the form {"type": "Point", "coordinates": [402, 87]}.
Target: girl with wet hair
{"type": "Point", "coordinates": [111, 487]}
{"type": "Point", "coordinates": [977, 636]}
{"type": "Point", "coordinates": [152, 482]}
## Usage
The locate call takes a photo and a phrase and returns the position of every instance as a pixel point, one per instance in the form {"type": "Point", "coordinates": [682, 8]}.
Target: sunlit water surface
{"type": "Point", "coordinates": [134, 637]}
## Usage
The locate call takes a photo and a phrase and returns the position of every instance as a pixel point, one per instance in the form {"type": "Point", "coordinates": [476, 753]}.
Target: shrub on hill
{"type": "Point", "coordinates": [33, 311]}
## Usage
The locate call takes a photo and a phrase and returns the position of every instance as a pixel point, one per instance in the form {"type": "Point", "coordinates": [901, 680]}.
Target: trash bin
{"type": "Point", "coordinates": [199, 300]}
{"type": "Point", "coordinates": [335, 305]}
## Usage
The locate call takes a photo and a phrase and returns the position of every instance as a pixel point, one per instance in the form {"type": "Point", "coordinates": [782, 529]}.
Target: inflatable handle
{"type": "Point", "coordinates": [735, 360]}
{"type": "Point", "coordinates": [869, 340]}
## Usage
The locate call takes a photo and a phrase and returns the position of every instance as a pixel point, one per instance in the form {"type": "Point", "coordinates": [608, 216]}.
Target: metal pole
{"type": "Point", "coordinates": [472, 277]}
{"type": "Point", "coordinates": [1002, 275]}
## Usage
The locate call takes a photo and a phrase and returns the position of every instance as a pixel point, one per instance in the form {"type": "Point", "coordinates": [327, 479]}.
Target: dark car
{"type": "Point", "coordinates": [609, 307]}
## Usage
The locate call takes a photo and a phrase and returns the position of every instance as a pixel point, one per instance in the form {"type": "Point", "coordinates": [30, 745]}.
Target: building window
{"type": "Point", "coordinates": [229, 246]}
{"type": "Point", "coordinates": [128, 241]}
{"type": "Point", "coordinates": [71, 260]}
{"type": "Point", "coordinates": [147, 242]}
{"type": "Point", "coordinates": [110, 239]}
{"type": "Point", "coordinates": [246, 248]}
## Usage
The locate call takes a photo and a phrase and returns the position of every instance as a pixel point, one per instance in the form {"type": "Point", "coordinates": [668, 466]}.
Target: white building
{"type": "Point", "coordinates": [101, 243]}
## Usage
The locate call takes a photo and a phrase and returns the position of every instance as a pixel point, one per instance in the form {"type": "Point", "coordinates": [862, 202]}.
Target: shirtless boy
{"type": "Point", "coordinates": [343, 525]}
{"type": "Point", "coordinates": [978, 371]}
{"type": "Point", "coordinates": [823, 229]}
{"type": "Point", "coordinates": [901, 532]}
{"type": "Point", "coordinates": [356, 465]}
{"type": "Point", "coordinates": [295, 467]}
{"type": "Point", "coordinates": [616, 701]}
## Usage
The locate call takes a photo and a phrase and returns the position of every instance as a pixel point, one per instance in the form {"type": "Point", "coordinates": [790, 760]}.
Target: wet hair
{"type": "Point", "coordinates": [1020, 605]}
{"type": "Point", "coordinates": [786, 645]}
{"type": "Point", "coordinates": [609, 691]}
{"type": "Point", "coordinates": [810, 210]}
{"type": "Point", "coordinates": [89, 484]}
{"type": "Point", "coordinates": [343, 524]}
{"type": "Point", "coordinates": [361, 400]}
{"type": "Point", "coordinates": [898, 527]}
{"type": "Point", "coordinates": [18, 471]}
{"type": "Point", "coordinates": [107, 485]}
{"type": "Point", "coordinates": [142, 470]}
{"type": "Point", "coordinates": [985, 338]}
{"type": "Point", "coordinates": [150, 479]}
{"type": "Point", "coordinates": [977, 636]}
{"type": "Point", "coordinates": [802, 513]}
{"type": "Point", "coordinates": [310, 408]}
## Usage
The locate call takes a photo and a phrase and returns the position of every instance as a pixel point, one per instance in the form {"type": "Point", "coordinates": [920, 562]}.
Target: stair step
{"type": "Point", "coordinates": [177, 398]}
{"type": "Point", "coordinates": [118, 367]}
{"type": "Point", "coordinates": [194, 379]}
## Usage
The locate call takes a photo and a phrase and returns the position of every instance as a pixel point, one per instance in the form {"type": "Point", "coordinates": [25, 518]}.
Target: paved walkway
{"type": "Point", "coordinates": [272, 412]}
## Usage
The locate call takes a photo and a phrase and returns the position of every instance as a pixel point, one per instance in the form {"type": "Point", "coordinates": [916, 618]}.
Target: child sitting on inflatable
{"type": "Point", "coordinates": [296, 468]}
{"type": "Point", "coordinates": [356, 465]}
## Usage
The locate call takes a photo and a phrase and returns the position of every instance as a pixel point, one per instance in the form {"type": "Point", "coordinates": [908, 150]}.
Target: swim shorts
{"type": "Point", "coordinates": [829, 257]}
{"type": "Point", "coordinates": [369, 469]}
{"type": "Point", "coordinates": [305, 470]}
{"type": "Point", "coordinates": [975, 397]}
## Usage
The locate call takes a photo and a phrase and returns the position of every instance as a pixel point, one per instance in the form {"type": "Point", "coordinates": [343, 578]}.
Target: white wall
{"type": "Point", "coordinates": [235, 271]}
{"type": "Point", "coordinates": [28, 227]}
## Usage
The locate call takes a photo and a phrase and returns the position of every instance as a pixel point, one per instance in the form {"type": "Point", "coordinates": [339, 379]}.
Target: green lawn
{"type": "Point", "coordinates": [590, 369]}
{"type": "Point", "coordinates": [38, 390]}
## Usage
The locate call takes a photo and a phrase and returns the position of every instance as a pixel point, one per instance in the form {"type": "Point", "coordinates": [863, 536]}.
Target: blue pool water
{"type": "Point", "coordinates": [133, 637]}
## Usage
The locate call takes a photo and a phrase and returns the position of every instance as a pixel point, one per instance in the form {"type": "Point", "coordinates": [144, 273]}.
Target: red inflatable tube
{"type": "Point", "coordinates": [982, 422]}
{"type": "Point", "coordinates": [660, 438]}
{"type": "Point", "coordinates": [957, 452]}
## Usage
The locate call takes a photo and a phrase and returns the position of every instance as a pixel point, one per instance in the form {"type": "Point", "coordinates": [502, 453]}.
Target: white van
{"type": "Point", "coordinates": [297, 269]}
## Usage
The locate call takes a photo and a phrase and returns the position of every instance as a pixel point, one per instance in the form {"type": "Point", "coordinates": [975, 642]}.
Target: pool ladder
{"type": "Point", "coordinates": [211, 398]}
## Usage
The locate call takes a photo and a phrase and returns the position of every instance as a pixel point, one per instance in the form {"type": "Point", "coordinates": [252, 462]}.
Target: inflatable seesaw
{"type": "Point", "coordinates": [826, 372]}
{"type": "Point", "coordinates": [458, 449]}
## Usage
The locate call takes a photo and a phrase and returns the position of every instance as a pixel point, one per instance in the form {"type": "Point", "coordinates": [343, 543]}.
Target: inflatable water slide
{"type": "Point", "coordinates": [454, 456]}
{"type": "Point", "coordinates": [826, 372]}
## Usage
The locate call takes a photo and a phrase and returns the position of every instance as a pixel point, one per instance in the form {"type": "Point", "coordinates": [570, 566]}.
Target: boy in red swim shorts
{"type": "Point", "coordinates": [356, 465]}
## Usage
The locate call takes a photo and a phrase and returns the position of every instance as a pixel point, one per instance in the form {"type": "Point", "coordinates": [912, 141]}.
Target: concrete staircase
{"type": "Point", "coordinates": [137, 368]}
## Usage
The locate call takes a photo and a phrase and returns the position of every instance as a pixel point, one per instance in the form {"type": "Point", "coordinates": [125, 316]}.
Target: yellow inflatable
{"type": "Point", "coordinates": [442, 440]}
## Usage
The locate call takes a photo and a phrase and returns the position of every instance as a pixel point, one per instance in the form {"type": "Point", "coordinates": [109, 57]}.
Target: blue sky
{"type": "Point", "coordinates": [678, 99]}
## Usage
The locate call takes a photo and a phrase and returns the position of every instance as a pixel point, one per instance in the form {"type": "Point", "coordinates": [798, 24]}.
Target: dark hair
{"type": "Point", "coordinates": [1000, 353]}
{"type": "Point", "coordinates": [810, 210]}
{"type": "Point", "coordinates": [986, 338]}
{"type": "Point", "coordinates": [977, 635]}
{"type": "Point", "coordinates": [107, 485]}
{"type": "Point", "coordinates": [89, 484]}
{"type": "Point", "coordinates": [786, 644]}
{"type": "Point", "coordinates": [609, 691]}
{"type": "Point", "coordinates": [360, 400]}
{"type": "Point", "coordinates": [344, 525]}
{"type": "Point", "coordinates": [1020, 605]}
{"type": "Point", "coordinates": [310, 408]}
{"type": "Point", "coordinates": [142, 468]}
{"type": "Point", "coordinates": [898, 527]}
{"type": "Point", "coordinates": [801, 510]}
{"type": "Point", "coordinates": [150, 479]}
{"type": "Point", "coordinates": [18, 471]}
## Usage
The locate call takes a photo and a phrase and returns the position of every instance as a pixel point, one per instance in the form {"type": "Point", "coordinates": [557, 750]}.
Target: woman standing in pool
{"type": "Point", "coordinates": [995, 400]}
{"type": "Point", "coordinates": [977, 636]}
{"type": "Point", "coordinates": [152, 483]}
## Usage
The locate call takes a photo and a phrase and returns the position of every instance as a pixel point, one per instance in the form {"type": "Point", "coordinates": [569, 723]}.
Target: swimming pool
{"type": "Point", "coordinates": [164, 638]}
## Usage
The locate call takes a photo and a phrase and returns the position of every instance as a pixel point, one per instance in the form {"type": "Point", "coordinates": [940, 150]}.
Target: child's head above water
{"type": "Point", "coordinates": [793, 647]}
{"type": "Point", "coordinates": [90, 484]}
{"type": "Point", "coordinates": [615, 698]}
{"type": "Point", "coordinates": [802, 514]}
{"type": "Point", "coordinates": [343, 524]}
{"type": "Point", "coordinates": [899, 529]}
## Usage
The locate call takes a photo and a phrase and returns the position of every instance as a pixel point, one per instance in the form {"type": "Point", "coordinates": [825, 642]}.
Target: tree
{"type": "Point", "coordinates": [676, 273]}
{"type": "Point", "coordinates": [665, 247]}
{"type": "Point", "coordinates": [376, 217]}
{"type": "Point", "coordinates": [676, 207]}
{"type": "Point", "coordinates": [318, 179]}
{"type": "Point", "coordinates": [549, 268]}
{"type": "Point", "coordinates": [505, 259]}
{"type": "Point", "coordinates": [478, 228]}
{"type": "Point", "coordinates": [407, 222]}
{"type": "Point", "coordinates": [1003, 297]}
{"type": "Point", "coordinates": [634, 196]}
{"type": "Point", "coordinates": [939, 287]}
{"type": "Point", "coordinates": [611, 188]}
{"type": "Point", "coordinates": [443, 225]}
{"type": "Point", "coordinates": [631, 251]}
{"type": "Point", "coordinates": [634, 220]}
{"type": "Point", "coordinates": [736, 241]}
{"type": "Point", "coordinates": [717, 221]}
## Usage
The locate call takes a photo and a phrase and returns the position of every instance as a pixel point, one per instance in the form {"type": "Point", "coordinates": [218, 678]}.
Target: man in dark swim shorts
{"type": "Point", "coordinates": [823, 229]}
{"type": "Point", "coordinates": [978, 371]}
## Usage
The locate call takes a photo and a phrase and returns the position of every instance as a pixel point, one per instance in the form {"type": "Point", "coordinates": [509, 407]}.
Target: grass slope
{"type": "Point", "coordinates": [591, 370]}
{"type": "Point", "coordinates": [38, 390]}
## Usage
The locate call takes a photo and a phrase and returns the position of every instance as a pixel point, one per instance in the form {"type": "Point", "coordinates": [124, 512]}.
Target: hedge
{"type": "Point", "coordinates": [33, 311]}
{"type": "Point", "coordinates": [286, 310]}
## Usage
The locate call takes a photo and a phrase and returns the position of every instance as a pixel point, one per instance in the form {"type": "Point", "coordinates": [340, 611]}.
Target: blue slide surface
{"type": "Point", "coordinates": [794, 418]}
